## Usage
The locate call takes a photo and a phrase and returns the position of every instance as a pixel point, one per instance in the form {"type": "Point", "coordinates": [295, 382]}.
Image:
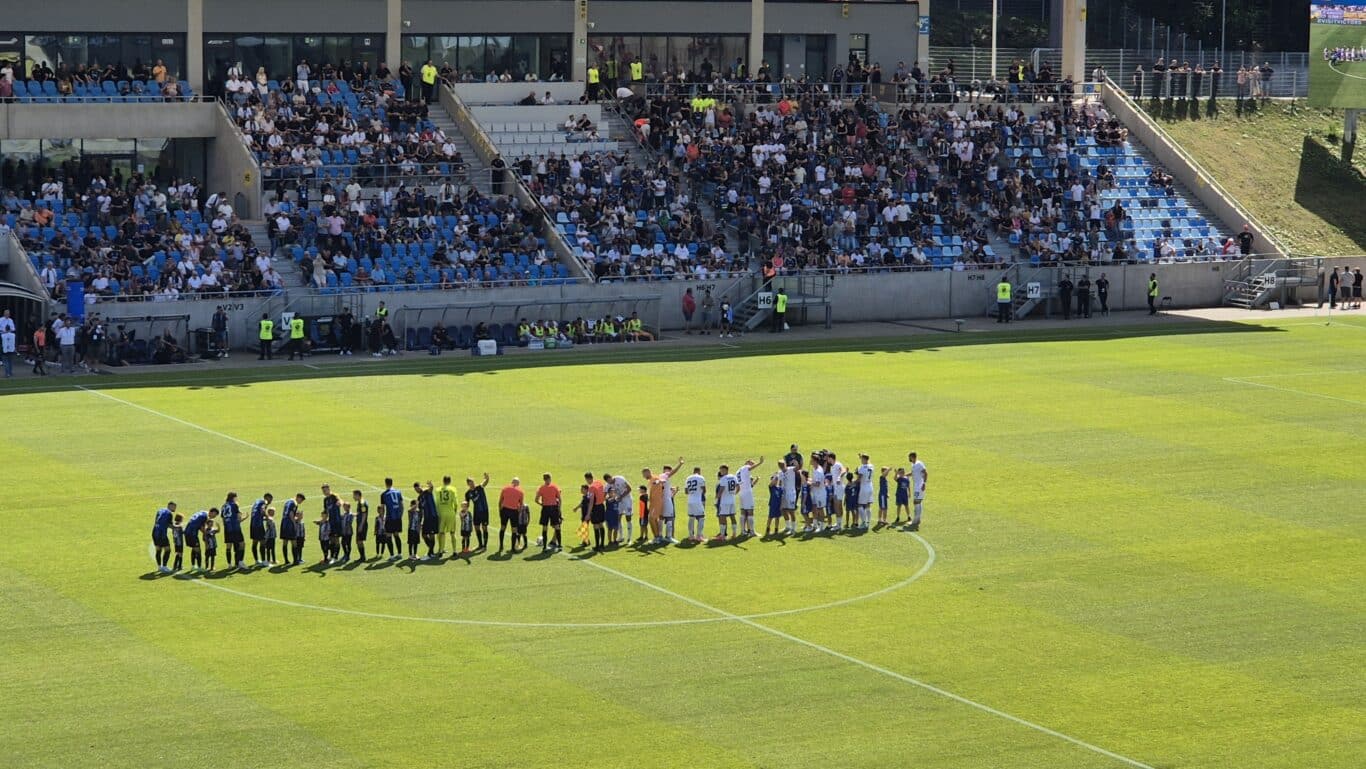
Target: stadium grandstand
{"type": "Point", "coordinates": [324, 170]}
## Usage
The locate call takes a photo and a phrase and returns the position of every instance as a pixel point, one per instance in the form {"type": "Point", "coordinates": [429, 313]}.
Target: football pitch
{"type": "Point", "coordinates": [1139, 549]}
{"type": "Point", "coordinates": [1343, 84]}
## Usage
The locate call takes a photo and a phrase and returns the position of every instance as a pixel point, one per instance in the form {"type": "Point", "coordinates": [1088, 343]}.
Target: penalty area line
{"type": "Point", "coordinates": [876, 668]}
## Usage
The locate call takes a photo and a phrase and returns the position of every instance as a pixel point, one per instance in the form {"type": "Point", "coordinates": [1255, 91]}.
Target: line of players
{"type": "Point", "coordinates": [823, 492]}
{"type": "Point", "coordinates": [1336, 55]}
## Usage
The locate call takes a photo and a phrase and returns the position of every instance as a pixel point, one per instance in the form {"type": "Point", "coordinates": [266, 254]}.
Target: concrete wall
{"type": "Point", "coordinates": [555, 113]}
{"type": "Point", "coordinates": [232, 168]}
{"type": "Point", "coordinates": [511, 93]}
{"type": "Point", "coordinates": [856, 298]}
{"type": "Point", "coordinates": [95, 16]}
{"type": "Point", "coordinates": [180, 120]}
{"type": "Point", "coordinates": [294, 17]}
{"type": "Point", "coordinates": [452, 17]}
{"type": "Point", "coordinates": [1186, 170]}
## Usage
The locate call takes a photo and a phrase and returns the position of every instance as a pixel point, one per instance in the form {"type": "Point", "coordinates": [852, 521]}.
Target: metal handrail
{"type": "Point", "coordinates": [1205, 176]}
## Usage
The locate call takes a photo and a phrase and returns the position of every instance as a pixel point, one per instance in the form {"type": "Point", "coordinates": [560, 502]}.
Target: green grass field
{"type": "Point", "coordinates": [1143, 551]}
{"type": "Point", "coordinates": [1342, 85]}
{"type": "Point", "coordinates": [1284, 165]}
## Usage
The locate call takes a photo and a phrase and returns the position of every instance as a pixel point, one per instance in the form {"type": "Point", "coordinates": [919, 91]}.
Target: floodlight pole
{"type": "Point", "coordinates": [995, 5]}
{"type": "Point", "coordinates": [1223, 27]}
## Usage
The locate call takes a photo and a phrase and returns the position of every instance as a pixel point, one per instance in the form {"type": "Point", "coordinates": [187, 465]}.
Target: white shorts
{"type": "Point", "coordinates": [818, 500]}
{"type": "Point", "coordinates": [839, 492]}
{"type": "Point", "coordinates": [865, 495]}
{"type": "Point", "coordinates": [747, 505]}
{"type": "Point", "coordinates": [696, 510]}
{"type": "Point", "coordinates": [789, 500]}
{"type": "Point", "coordinates": [919, 496]}
{"type": "Point", "coordinates": [726, 508]}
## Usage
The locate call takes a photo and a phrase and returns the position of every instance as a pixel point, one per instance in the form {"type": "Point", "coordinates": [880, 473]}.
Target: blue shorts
{"type": "Point", "coordinates": [902, 499]}
{"type": "Point", "coordinates": [192, 539]}
{"type": "Point", "coordinates": [775, 511]}
{"type": "Point", "coordinates": [882, 500]}
{"type": "Point", "coordinates": [613, 521]}
{"type": "Point", "coordinates": [160, 539]}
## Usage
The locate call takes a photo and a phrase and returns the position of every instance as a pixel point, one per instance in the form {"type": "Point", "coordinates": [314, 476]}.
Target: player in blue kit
{"type": "Point", "coordinates": [178, 540]}
{"type": "Point", "coordinates": [333, 512]}
{"type": "Point", "coordinates": [903, 494]}
{"type": "Point", "coordinates": [361, 509]}
{"type": "Point", "coordinates": [192, 529]}
{"type": "Point", "coordinates": [391, 499]}
{"type": "Point", "coordinates": [257, 529]}
{"type": "Point", "coordinates": [231, 515]}
{"type": "Point", "coordinates": [775, 503]}
{"type": "Point", "coordinates": [882, 498]}
{"type": "Point", "coordinates": [477, 500]}
{"type": "Point", "coordinates": [161, 536]}
{"type": "Point", "coordinates": [292, 530]}
{"type": "Point", "coordinates": [211, 540]}
{"type": "Point", "coordinates": [851, 491]}
{"type": "Point", "coordinates": [431, 520]}
{"type": "Point", "coordinates": [414, 527]}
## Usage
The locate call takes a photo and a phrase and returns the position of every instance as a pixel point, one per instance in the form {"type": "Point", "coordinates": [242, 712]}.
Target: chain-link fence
{"type": "Point", "coordinates": [1288, 76]}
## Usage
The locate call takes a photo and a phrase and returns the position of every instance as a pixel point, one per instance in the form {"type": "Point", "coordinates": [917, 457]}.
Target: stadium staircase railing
{"type": "Point", "coordinates": [1253, 282]}
{"type": "Point", "coordinates": [803, 293]}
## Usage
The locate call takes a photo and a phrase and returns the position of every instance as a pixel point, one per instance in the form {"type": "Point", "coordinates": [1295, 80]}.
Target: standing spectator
{"type": "Point", "coordinates": [1103, 293]}
{"type": "Point", "coordinates": [1264, 78]}
{"type": "Point", "coordinates": [1084, 297]}
{"type": "Point", "coordinates": [1004, 293]}
{"type": "Point", "coordinates": [1333, 281]}
{"type": "Point", "coordinates": [708, 304]}
{"type": "Point", "coordinates": [780, 311]}
{"type": "Point", "coordinates": [689, 307]}
{"type": "Point", "coordinates": [7, 334]}
{"type": "Point", "coordinates": [40, 345]}
{"type": "Point", "coordinates": [1152, 294]}
{"type": "Point", "coordinates": [1356, 288]}
{"type": "Point", "coordinates": [1065, 296]}
{"type": "Point", "coordinates": [66, 337]}
{"type": "Point", "coordinates": [220, 330]}
{"type": "Point", "coordinates": [428, 81]}
{"type": "Point", "coordinates": [1245, 241]}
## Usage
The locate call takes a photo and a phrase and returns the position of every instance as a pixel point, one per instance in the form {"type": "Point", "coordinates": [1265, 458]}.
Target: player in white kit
{"type": "Point", "coordinates": [726, 487]}
{"type": "Point", "coordinates": [835, 473]}
{"type": "Point", "coordinates": [818, 496]}
{"type": "Point", "coordinates": [695, 488]}
{"type": "Point", "coordinates": [790, 483]}
{"type": "Point", "coordinates": [919, 475]}
{"type": "Point", "coordinates": [745, 477]}
{"type": "Point", "coordinates": [865, 491]}
{"type": "Point", "coordinates": [667, 517]}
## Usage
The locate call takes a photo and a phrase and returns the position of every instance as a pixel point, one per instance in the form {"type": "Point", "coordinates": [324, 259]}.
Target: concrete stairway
{"type": "Point", "coordinates": [478, 172]}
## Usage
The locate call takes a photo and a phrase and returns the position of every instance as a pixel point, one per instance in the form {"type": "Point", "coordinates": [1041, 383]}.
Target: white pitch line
{"type": "Point", "coordinates": [929, 563]}
{"type": "Point", "coordinates": [1334, 67]}
{"type": "Point", "coordinates": [226, 437]}
{"type": "Point", "coordinates": [1320, 372]}
{"type": "Point", "coordinates": [1305, 393]}
{"type": "Point", "coordinates": [310, 365]}
{"type": "Point", "coordinates": [721, 613]}
{"type": "Point", "coordinates": [877, 669]}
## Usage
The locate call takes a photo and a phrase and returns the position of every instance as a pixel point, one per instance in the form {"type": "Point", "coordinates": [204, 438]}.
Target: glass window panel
{"type": "Point", "coordinates": [471, 54]}
{"type": "Point", "coordinates": [554, 57]}
{"type": "Point", "coordinates": [338, 49]}
{"type": "Point", "coordinates": [136, 54]}
{"type": "Point", "coordinates": [525, 56]}
{"type": "Point", "coordinates": [415, 51]}
{"type": "Point", "coordinates": [654, 51]}
{"type": "Point", "coordinates": [279, 58]}
{"type": "Point", "coordinates": [39, 50]}
{"type": "Point", "coordinates": [309, 47]}
{"type": "Point", "coordinates": [72, 51]}
{"type": "Point", "coordinates": [58, 151]}
{"type": "Point", "coordinates": [445, 50]}
{"type": "Point", "coordinates": [105, 50]}
{"type": "Point", "coordinates": [495, 53]}
{"type": "Point", "coordinates": [250, 53]}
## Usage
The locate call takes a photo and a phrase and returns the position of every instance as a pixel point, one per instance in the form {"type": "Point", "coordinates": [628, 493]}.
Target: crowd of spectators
{"type": "Point", "coordinates": [438, 236]}
{"type": "Point", "coordinates": [142, 80]}
{"type": "Point", "coordinates": [129, 238]}
{"type": "Point", "coordinates": [303, 128]}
